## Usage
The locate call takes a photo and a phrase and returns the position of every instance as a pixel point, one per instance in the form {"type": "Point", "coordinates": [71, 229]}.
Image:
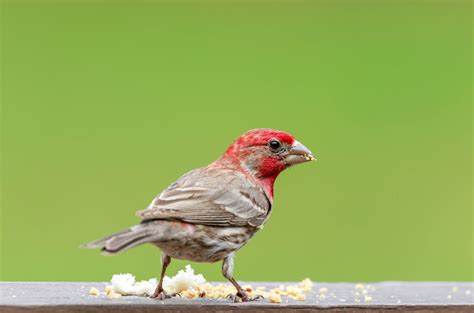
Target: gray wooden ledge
{"type": "Point", "coordinates": [52, 297]}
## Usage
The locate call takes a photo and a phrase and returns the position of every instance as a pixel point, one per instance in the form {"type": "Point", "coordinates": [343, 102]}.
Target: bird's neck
{"type": "Point", "coordinates": [264, 181]}
{"type": "Point", "coordinates": [267, 184]}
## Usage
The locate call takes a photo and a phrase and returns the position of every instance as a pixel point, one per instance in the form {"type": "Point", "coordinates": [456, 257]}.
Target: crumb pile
{"type": "Point", "coordinates": [189, 285]}
{"type": "Point", "coordinates": [296, 292]}
{"type": "Point", "coordinates": [125, 284]}
{"type": "Point", "coordinates": [184, 280]}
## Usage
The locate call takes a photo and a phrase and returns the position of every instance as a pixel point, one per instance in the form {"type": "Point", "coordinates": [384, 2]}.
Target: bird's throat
{"type": "Point", "coordinates": [267, 184]}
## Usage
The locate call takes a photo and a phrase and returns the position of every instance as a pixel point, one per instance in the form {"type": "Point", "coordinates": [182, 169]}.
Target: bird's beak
{"type": "Point", "coordinates": [299, 154]}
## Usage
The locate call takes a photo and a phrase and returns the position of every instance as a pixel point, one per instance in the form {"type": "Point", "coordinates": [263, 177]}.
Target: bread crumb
{"type": "Point", "coordinates": [468, 292]}
{"type": "Point", "coordinates": [455, 289]}
{"type": "Point", "coordinates": [323, 290]}
{"type": "Point", "coordinates": [183, 280]}
{"type": "Point", "coordinates": [306, 284]}
{"type": "Point", "coordinates": [359, 286]}
{"type": "Point", "coordinates": [190, 285]}
{"type": "Point", "coordinates": [94, 291]}
{"type": "Point", "coordinates": [292, 290]}
{"type": "Point", "coordinates": [274, 298]}
{"type": "Point", "coordinates": [190, 294]}
{"type": "Point", "coordinates": [108, 289]}
{"type": "Point", "coordinates": [298, 297]}
{"type": "Point", "coordinates": [113, 295]}
{"type": "Point", "coordinates": [215, 292]}
{"type": "Point", "coordinates": [125, 284]}
{"type": "Point", "coordinates": [247, 288]}
{"type": "Point", "coordinates": [367, 298]}
{"type": "Point", "coordinates": [449, 296]}
{"type": "Point", "coordinates": [280, 290]}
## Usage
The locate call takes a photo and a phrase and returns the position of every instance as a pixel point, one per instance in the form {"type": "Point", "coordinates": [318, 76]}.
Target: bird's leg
{"type": "Point", "coordinates": [227, 271]}
{"type": "Point", "coordinates": [160, 293]}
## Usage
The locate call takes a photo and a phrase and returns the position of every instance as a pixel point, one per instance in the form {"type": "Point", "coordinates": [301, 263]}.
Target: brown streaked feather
{"type": "Point", "coordinates": [211, 197]}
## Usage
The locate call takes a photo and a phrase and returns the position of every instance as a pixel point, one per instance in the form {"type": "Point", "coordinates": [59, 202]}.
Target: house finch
{"type": "Point", "coordinates": [211, 212]}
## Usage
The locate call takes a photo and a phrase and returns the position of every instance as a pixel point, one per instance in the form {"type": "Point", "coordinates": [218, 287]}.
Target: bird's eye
{"type": "Point", "coordinates": [274, 144]}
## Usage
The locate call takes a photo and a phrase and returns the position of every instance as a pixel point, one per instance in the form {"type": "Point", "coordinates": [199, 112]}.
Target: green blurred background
{"type": "Point", "coordinates": [106, 103]}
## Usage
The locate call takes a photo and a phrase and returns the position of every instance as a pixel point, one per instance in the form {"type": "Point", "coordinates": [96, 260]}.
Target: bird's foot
{"type": "Point", "coordinates": [257, 297]}
{"type": "Point", "coordinates": [162, 295]}
{"type": "Point", "coordinates": [243, 297]}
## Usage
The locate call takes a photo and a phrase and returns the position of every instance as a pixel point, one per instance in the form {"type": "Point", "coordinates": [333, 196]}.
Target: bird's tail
{"type": "Point", "coordinates": [124, 240]}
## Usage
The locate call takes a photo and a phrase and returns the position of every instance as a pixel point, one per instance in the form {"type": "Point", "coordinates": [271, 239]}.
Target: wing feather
{"type": "Point", "coordinates": [207, 197]}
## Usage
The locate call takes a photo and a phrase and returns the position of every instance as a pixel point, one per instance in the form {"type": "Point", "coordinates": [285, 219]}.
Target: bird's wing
{"type": "Point", "coordinates": [207, 197]}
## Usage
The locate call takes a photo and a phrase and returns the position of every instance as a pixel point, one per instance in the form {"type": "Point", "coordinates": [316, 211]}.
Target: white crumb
{"type": "Point", "coordinates": [125, 284]}
{"type": "Point", "coordinates": [184, 280]}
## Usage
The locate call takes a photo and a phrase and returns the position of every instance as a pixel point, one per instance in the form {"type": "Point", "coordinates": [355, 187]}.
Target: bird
{"type": "Point", "coordinates": [211, 212]}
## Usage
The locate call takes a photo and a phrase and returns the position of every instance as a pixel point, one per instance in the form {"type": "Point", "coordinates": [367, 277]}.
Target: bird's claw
{"type": "Point", "coordinates": [162, 295]}
{"type": "Point", "coordinates": [236, 298]}
{"type": "Point", "coordinates": [257, 297]}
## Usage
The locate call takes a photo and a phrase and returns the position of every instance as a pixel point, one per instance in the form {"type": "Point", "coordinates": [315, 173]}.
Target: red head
{"type": "Point", "coordinates": [264, 153]}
